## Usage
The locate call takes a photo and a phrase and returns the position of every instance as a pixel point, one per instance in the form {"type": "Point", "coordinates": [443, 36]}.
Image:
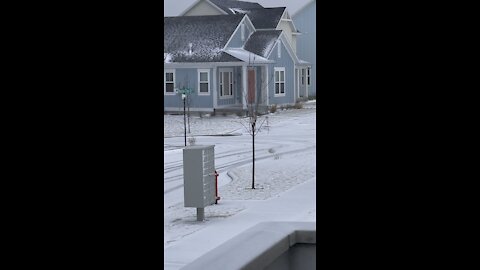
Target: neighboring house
{"type": "Point", "coordinates": [232, 54]}
{"type": "Point", "coordinates": [305, 19]}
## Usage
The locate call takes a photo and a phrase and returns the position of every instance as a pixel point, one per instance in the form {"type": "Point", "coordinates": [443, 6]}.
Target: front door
{"type": "Point", "coordinates": [251, 85]}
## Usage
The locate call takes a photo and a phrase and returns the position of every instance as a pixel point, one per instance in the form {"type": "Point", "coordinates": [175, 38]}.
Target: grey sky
{"type": "Point", "coordinates": [175, 7]}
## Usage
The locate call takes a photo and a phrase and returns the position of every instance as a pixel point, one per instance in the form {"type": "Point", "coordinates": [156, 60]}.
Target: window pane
{"type": "Point", "coordinates": [203, 76]}
{"type": "Point", "coordinates": [169, 87]}
{"type": "Point", "coordinates": [169, 77]}
{"type": "Point", "coordinates": [226, 78]}
{"type": "Point", "coordinates": [276, 76]}
{"type": "Point", "coordinates": [277, 85]}
{"type": "Point", "coordinates": [221, 90]}
{"type": "Point", "coordinates": [204, 87]}
{"type": "Point", "coordinates": [282, 75]}
{"type": "Point", "coordinates": [282, 88]}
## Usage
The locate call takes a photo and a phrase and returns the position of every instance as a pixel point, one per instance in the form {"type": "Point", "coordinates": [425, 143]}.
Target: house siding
{"type": "Point", "coordinates": [236, 41]}
{"type": "Point", "coordinates": [188, 77]}
{"type": "Point", "coordinates": [306, 43]}
{"type": "Point", "coordinates": [287, 62]}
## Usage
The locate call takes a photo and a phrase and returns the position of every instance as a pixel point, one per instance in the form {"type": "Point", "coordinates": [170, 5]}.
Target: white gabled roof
{"type": "Point", "coordinates": [247, 57]}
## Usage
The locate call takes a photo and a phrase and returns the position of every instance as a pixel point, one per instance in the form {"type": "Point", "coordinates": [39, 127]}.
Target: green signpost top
{"type": "Point", "coordinates": [184, 90]}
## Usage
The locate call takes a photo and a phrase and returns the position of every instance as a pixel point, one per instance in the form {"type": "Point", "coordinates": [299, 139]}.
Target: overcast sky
{"type": "Point", "coordinates": [175, 7]}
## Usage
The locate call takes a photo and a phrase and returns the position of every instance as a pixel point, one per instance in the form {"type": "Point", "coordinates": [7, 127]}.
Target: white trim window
{"type": "Point", "coordinates": [169, 82]}
{"type": "Point", "coordinates": [226, 82]}
{"type": "Point", "coordinates": [303, 76]}
{"type": "Point", "coordinates": [203, 82]}
{"type": "Point", "coordinates": [279, 81]}
{"type": "Point", "coordinates": [308, 76]}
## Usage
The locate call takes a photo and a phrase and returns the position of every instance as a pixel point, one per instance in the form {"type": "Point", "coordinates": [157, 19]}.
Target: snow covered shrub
{"type": "Point", "coordinates": [273, 108]}
{"type": "Point", "coordinates": [298, 105]}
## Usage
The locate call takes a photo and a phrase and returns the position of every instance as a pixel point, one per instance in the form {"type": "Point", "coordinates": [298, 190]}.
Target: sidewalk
{"type": "Point", "coordinates": [297, 204]}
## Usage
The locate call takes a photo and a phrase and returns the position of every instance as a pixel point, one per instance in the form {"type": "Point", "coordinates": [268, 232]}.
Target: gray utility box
{"type": "Point", "coordinates": [199, 175]}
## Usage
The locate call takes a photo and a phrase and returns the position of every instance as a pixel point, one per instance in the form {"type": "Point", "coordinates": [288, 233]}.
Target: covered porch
{"type": "Point", "coordinates": [242, 86]}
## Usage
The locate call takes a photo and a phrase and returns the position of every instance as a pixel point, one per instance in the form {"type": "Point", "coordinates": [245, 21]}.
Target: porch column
{"type": "Point", "coordinates": [214, 85]}
{"type": "Point", "coordinates": [295, 93]}
{"type": "Point", "coordinates": [244, 87]}
{"type": "Point", "coordinates": [267, 85]}
{"type": "Point", "coordinates": [297, 81]}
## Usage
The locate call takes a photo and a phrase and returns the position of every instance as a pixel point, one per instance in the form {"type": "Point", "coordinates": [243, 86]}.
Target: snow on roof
{"type": "Point", "coordinates": [238, 10]}
{"type": "Point", "coordinates": [247, 57]}
{"type": "Point", "coordinates": [266, 18]}
{"type": "Point", "coordinates": [262, 42]}
{"type": "Point", "coordinates": [208, 35]}
{"type": "Point", "coordinates": [303, 62]}
{"type": "Point", "coordinates": [167, 57]}
{"type": "Point", "coordinates": [228, 5]}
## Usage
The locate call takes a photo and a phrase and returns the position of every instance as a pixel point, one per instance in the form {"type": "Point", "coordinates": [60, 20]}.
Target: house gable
{"type": "Point", "coordinates": [286, 46]}
{"type": "Point", "coordinates": [203, 7]}
{"type": "Point", "coordinates": [288, 27]}
{"type": "Point", "coordinates": [235, 41]}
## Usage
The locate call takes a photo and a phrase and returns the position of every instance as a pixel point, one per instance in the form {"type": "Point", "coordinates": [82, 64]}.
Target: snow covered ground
{"type": "Point", "coordinates": [285, 170]}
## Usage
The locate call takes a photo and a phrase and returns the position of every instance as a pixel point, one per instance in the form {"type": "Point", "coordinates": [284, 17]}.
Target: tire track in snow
{"type": "Point", "coordinates": [240, 163]}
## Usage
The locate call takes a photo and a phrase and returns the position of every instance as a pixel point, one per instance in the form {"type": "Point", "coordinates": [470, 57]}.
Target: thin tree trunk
{"type": "Point", "coordinates": [253, 155]}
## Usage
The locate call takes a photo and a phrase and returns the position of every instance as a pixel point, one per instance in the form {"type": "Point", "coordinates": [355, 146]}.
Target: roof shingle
{"type": "Point", "coordinates": [262, 42]}
{"type": "Point", "coordinates": [207, 34]}
{"type": "Point", "coordinates": [266, 18]}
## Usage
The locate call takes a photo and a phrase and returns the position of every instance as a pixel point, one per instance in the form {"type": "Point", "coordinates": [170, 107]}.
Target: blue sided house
{"type": "Point", "coordinates": [230, 55]}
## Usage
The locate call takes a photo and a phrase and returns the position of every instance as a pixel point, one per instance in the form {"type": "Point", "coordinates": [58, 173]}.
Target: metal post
{"type": "Point", "coordinates": [200, 214]}
{"type": "Point", "coordinates": [184, 119]}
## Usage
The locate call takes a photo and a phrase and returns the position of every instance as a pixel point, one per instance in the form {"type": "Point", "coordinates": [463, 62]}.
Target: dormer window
{"type": "Point", "coordinates": [242, 28]}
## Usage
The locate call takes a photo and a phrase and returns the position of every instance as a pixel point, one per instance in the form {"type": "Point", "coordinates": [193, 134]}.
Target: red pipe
{"type": "Point", "coordinates": [216, 188]}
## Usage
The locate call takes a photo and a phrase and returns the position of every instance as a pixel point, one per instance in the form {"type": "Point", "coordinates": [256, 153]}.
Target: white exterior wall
{"type": "Point", "coordinates": [287, 28]}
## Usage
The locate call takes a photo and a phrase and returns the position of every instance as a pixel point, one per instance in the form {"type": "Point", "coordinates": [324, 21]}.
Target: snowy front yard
{"type": "Point", "coordinates": [285, 170]}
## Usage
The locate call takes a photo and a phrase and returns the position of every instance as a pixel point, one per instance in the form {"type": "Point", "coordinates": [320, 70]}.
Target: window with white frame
{"type": "Point", "coordinates": [226, 82]}
{"type": "Point", "coordinates": [303, 76]}
{"type": "Point", "coordinates": [308, 76]}
{"type": "Point", "coordinates": [279, 81]}
{"type": "Point", "coordinates": [169, 83]}
{"type": "Point", "coordinates": [204, 82]}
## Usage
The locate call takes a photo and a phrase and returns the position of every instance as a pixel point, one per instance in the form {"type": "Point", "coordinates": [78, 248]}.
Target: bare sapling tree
{"type": "Point", "coordinates": [253, 127]}
{"type": "Point", "coordinates": [254, 119]}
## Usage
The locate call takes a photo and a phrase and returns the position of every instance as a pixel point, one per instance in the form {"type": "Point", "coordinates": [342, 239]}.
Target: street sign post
{"type": "Point", "coordinates": [184, 92]}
